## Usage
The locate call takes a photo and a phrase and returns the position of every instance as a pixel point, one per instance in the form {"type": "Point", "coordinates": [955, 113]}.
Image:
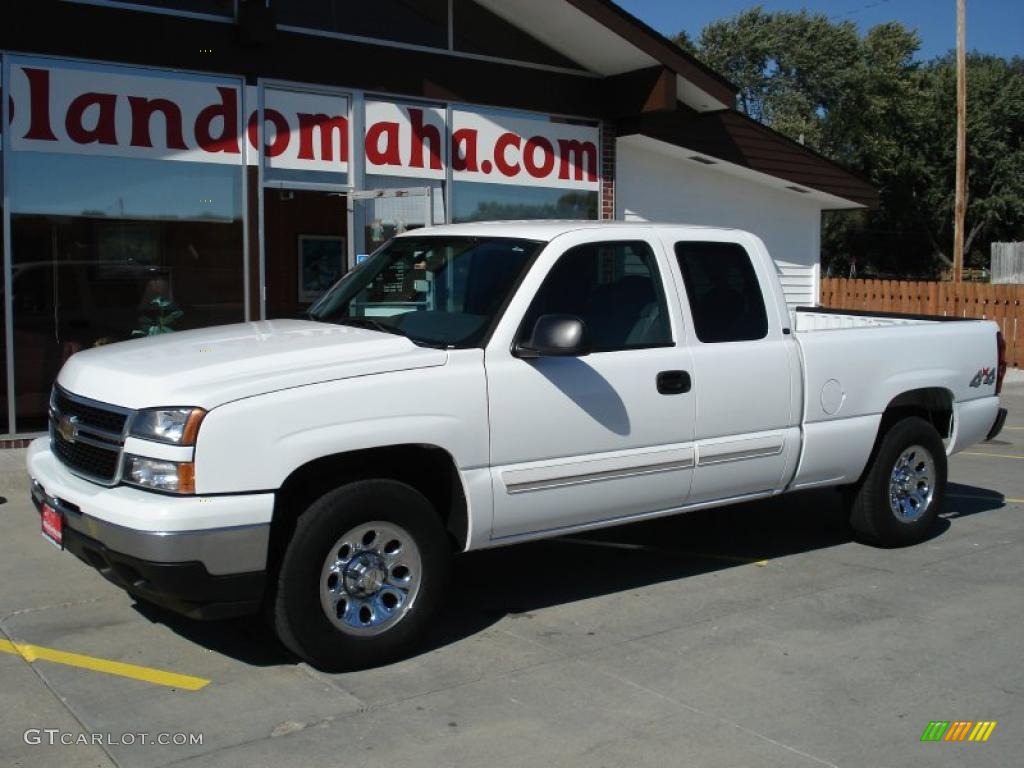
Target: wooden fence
{"type": "Point", "coordinates": [1003, 304]}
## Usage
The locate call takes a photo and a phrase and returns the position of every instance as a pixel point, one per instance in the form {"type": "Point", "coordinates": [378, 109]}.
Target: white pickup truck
{"type": "Point", "coordinates": [478, 385]}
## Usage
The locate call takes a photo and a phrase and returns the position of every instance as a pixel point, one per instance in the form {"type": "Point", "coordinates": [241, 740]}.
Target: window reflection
{"type": "Point", "coordinates": [378, 220]}
{"type": "Point", "coordinates": [107, 249]}
{"type": "Point", "coordinates": [502, 202]}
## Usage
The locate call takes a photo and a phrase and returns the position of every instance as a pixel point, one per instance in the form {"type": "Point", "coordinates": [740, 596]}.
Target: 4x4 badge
{"type": "Point", "coordinates": [984, 376]}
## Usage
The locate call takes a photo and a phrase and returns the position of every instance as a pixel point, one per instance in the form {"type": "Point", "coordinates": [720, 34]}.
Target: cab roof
{"type": "Point", "coordinates": [545, 230]}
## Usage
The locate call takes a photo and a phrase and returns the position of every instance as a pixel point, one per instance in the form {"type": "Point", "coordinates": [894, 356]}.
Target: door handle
{"type": "Point", "coordinates": [674, 382]}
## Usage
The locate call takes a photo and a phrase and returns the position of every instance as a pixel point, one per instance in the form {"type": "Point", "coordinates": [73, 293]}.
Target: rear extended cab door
{"type": "Point", "coordinates": [746, 366]}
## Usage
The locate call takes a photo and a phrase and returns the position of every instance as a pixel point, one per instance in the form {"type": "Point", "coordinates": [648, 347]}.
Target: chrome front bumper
{"type": "Point", "coordinates": [202, 572]}
{"type": "Point", "coordinates": [238, 549]}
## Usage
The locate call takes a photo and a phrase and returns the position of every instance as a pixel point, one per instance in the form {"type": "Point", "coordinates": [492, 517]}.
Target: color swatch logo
{"type": "Point", "coordinates": [959, 730]}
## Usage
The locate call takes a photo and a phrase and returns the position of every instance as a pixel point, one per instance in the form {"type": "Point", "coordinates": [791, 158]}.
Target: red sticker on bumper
{"type": "Point", "coordinates": [53, 526]}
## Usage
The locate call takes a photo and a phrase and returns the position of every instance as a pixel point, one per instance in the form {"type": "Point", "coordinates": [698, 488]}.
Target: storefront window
{"type": "Point", "coordinates": [418, 22]}
{"type": "Point", "coordinates": [501, 202]}
{"type": "Point", "coordinates": [377, 220]}
{"type": "Point", "coordinates": [406, 152]}
{"type": "Point", "coordinates": [125, 193]}
{"type": "Point", "coordinates": [509, 165]}
{"type": "Point", "coordinates": [107, 249]}
{"type": "Point", "coordinates": [306, 141]}
{"type": "Point", "coordinates": [210, 7]}
{"type": "Point", "coordinates": [4, 425]}
{"type": "Point", "coordinates": [305, 135]}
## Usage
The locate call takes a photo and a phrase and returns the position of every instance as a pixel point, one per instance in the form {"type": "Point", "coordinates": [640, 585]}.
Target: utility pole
{"type": "Point", "coordinates": [960, 211]}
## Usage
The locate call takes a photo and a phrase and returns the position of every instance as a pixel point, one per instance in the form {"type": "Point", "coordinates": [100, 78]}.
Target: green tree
{"type": "Point", "coordinates": [864, 102]}
{"type": "Point", "coordinates": [911, 157]}
{"type": "Point", "coordinates": [995, 152]}
{"type": "Point", "coordinates": [793, 70]}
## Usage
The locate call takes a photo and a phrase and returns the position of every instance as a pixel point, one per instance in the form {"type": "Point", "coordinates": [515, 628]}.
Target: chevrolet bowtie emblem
{"type": "Point", "coordinates": [67, 428]}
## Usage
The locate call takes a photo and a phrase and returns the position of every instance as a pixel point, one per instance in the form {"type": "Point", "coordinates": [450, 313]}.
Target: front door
{"type": "Point", "coordinates": [588, 440]}
{"type": "Point", "coordinates": [305, 235]}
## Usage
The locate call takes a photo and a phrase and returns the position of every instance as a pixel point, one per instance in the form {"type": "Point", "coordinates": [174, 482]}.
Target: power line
{"type": "Point", "coordinates": [858, 9]}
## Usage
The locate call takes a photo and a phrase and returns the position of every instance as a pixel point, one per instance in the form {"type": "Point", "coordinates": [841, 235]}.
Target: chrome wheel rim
{"type": "Point", "coordinates": [912, 484]}
{"type": "Point", "coordinates": [370, 578]}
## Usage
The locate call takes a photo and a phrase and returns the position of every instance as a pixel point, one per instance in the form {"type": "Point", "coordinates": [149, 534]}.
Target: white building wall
{"type": "Point", "coordinates": [653, 185]}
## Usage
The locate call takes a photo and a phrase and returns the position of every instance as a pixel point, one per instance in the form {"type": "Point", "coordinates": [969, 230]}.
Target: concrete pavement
{"type": "Point", "coordinates": [757, 635]}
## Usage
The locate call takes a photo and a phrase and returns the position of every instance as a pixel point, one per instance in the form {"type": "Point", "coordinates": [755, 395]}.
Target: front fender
{"type": "Point", "coordinates": [257, 442]}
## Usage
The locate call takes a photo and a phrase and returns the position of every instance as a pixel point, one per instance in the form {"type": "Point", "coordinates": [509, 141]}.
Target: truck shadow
{"type": "Point", "coordinates": [965, 500]}
{"type": "Point", "coordinates": [489, 585]}
{"type": "Point", "coordinates": [493, 584]}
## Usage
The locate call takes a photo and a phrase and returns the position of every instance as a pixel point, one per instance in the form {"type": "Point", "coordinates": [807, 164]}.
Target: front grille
{"type": "Point", "coordinates": [90, 415]}
{"type": "Point", "coordinates": [87, 436]}
{"type": "Point", "coordinates": [98, 463]}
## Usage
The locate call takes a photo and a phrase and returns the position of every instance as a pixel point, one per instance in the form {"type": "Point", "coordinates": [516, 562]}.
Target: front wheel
{"type": "Point", "coordinates": [898, 500]}
{"type": "Point", "coordinates": [363, 572]}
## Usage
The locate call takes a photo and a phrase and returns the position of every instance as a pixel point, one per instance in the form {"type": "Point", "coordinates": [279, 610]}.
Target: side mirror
{"type": "Point", "coordinates": [555, 336]}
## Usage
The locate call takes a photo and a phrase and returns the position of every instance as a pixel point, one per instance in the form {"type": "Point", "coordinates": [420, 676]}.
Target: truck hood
{"type": "Point", "coordinates": [213, 366]}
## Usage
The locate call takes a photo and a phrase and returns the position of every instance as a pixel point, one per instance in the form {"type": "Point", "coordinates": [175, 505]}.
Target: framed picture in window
{"type": "Point", "coordinates": [321, 264]}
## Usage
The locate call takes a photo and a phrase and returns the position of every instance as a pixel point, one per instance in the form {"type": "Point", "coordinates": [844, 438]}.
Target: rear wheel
{"type": "Point", "coordinates": [363, 572]}
{"type": "Point", "coordinates": [898, 500]}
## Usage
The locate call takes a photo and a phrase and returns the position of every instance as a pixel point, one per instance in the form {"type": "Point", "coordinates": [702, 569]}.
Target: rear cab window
{"type": "Point", "coordinates": [725, 296]}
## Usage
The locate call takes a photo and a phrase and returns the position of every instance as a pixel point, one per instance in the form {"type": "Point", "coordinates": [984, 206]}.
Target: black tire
{"type": "Point", "coordinates": [300, 620]}
{"type": "Point", "coordinates": [871, 513]}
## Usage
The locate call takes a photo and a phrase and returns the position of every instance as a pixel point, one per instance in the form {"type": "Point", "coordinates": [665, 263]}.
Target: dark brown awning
{"type": "Point", "coordinates": [658, 47]}
{"type": "Point", "coordinates": [735, 138]}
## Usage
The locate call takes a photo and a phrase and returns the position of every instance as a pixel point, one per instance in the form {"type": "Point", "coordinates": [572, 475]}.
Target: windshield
{"type": "Point", "coordinates": [439, 291]}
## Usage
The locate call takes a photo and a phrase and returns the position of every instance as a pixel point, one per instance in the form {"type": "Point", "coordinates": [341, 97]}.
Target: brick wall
{"type": "Point", "coordinates": [15, 443]}
{"type": "Point", "coordinates": [607, 171]}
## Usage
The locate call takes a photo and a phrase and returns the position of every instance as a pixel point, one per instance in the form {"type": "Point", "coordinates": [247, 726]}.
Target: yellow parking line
{"type": "Point", "coordinates": [993, 455]}
{"type": "Point", "coordinates": [32, 653]}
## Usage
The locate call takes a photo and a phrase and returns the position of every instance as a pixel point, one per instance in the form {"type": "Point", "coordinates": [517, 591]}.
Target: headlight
{"type": "Point", "coordinates": [160, 475]}
{"type": "Point", "coordinates": [177, 426]}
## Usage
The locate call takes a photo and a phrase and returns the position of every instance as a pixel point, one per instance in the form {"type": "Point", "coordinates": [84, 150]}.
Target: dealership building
{"type": "Point", "coordinates": [177, 164]}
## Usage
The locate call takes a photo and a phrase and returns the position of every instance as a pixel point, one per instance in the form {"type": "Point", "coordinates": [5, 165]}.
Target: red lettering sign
{"type": "Point", "coordinates": [105, 129]}
{"type": "Point", "coordinates": [39, 105]}
{"type": "Point", "coordinates": [327, 127]}
{"type": "Point", "coordinates": [77, 109]}
{"type": "Point", "coordinates": [421, 135]}
{"type": "Point", "coordinates": [387, 154]}
{"type": "Point", "coordinates": [506, 141]}
{"type": "Point", "coordinates": [282, 136]}
{"type": "Point", "coordinates": [227, 112]}
{"type": "Point", "coordinates": [143, 109]}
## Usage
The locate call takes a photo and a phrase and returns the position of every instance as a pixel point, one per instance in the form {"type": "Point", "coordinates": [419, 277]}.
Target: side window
{"type": "Point", "coordinates": [725, 297]}
{"type": "Point", "coordinates": [614, 288]}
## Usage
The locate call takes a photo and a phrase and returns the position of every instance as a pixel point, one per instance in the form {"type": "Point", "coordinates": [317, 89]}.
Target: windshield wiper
{"type": "Point", "coordinates": [377, 325]}
{"type": "Point", "coordinates": [369, 322]}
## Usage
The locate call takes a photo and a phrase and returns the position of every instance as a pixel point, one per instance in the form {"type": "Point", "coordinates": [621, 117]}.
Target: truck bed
{"type": "Point", "coordinates": [810, 319]}
{"type": "Point", "coordinates": [850, 378]}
